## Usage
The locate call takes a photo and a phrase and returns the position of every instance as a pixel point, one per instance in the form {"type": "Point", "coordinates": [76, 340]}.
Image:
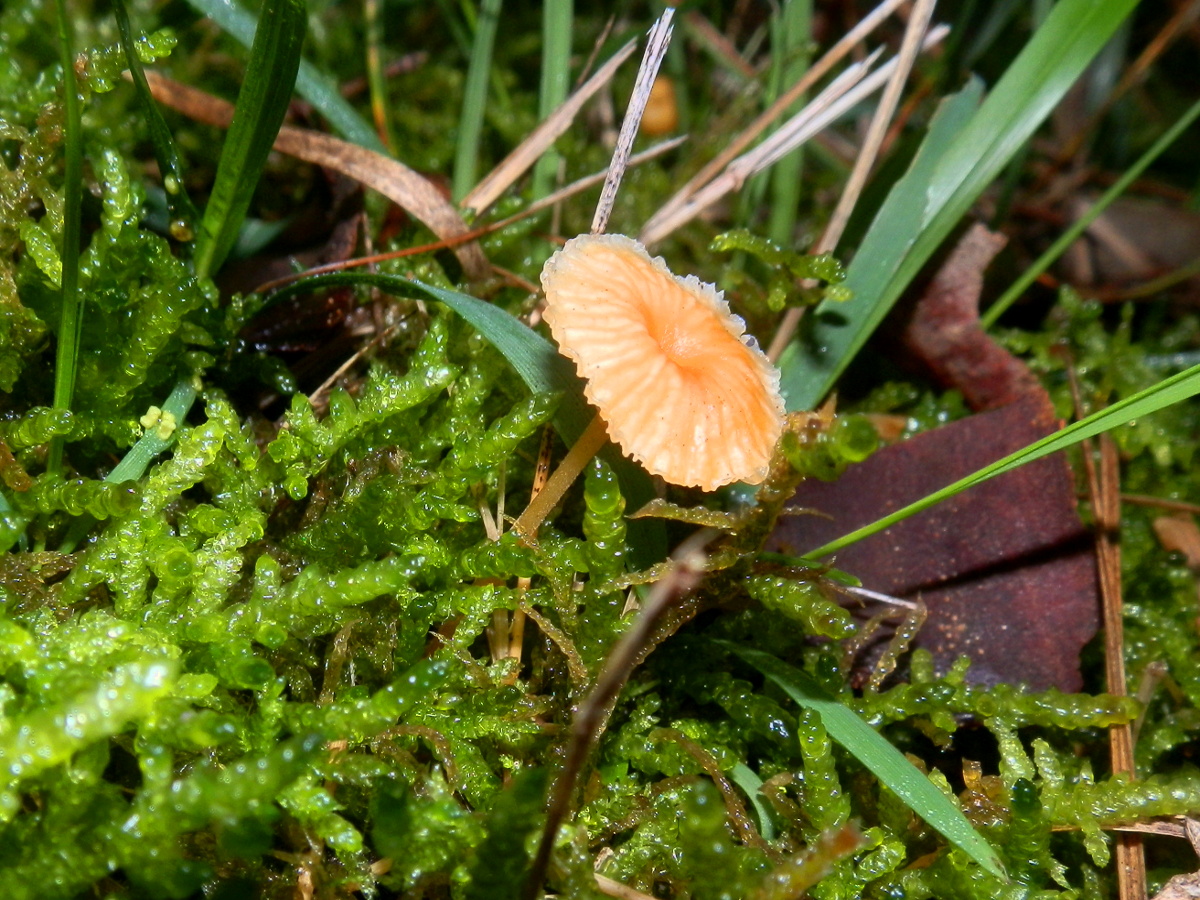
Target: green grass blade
{"type": "Point", "coordinates": [942, 184]}
{"type": "Point", "coordinates": [70, 322]}
{"type": "Point", "coordinates": [381, 105]}
{"type": "Point", "coordinates": [311, 84]}
{"type": "Point", "coordinates": [540, 366]}
{"type": "Point", "coordinates": [791, 32]}
{"type": "Point", "coordinates": [1167, 392]}
{"type": "Point", "coordinates": [557, 18]}
{"type": "Point", "coordinates": [470, 123]}
{"type": "Point", "coordinates": [747, 779]}
{"type": "Point", "coordinates": [136, 461]}
{"type": "Point", "coordinates": [261, 105]}
{"type": "Point", "coordinates": [179, 204]}
{"type": "Point", "coordinates": [871, 749]}
{"type": "Point", "coordinates": [806, 373]}
{"type": "Point", "coordinates": [1059, 247]}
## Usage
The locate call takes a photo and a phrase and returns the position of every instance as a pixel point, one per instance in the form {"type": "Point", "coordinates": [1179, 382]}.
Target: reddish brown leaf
{"type": "Point", "coordinates": [1006, 569]}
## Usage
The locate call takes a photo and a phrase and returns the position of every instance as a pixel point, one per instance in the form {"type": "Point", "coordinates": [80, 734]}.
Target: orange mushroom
{"type": "Point", "coordinates": [681, 386]}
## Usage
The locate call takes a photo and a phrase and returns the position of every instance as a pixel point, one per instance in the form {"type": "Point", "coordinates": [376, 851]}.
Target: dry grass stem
{"type": "Point", "coordinates": [751, 133]}
{"type": "Point", "coordinates": [656, 49]}
{"type": "Point", "coordinates": [865, 594]}
{"type": "Point", "coordinates": [914, 34]}
{"type": "Point", "coordinates": [1104, 487]}
{"type": "Point", "coordinates": [576, 187]}
{"type": "Point", "coordinates": [396, 181]}
{"type": "Point", "coordinates": [845, 92]}
{"type": "Point", "coordinates": [721, 47]}
{"type": "Point", "coordinates": [522, 158]}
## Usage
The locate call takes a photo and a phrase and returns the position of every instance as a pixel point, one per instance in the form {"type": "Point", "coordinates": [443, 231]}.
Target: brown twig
{"type": "Point", "coordinates": [593, 712]}
{"type": "Point", "coordinates": [751, 133]}
{"type": "Point", "coordinates": [501, 178]}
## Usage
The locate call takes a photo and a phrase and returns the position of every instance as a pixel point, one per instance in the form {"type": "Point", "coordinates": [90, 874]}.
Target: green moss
{"type": "Point", "coordinates": [267, 659]}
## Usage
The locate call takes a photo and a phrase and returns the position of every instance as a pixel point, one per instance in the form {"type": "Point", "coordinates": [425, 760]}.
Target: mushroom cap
{"type": "Point", "coordinates": [684, 390]}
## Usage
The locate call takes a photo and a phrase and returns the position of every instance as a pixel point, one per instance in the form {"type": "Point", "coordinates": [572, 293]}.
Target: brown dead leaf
{"type": "Point", "coordinates": [944, 331]}
{"type": "Point", "coordinates": [1006, 569]}
{"type": "Point", "coordinates": [392, 178]}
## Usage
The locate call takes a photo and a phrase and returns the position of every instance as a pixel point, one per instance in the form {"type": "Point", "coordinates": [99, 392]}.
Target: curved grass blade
{"type": "Point", "coordinates": [261, 104]}
{"type": "Point", "coordinates": [873, 751]}
{"type": "Point", "coordinates": [178, 202]}
{"type": "Point", "coordinates": [311, 84]}
{"type": "Point", "coordinates": [541, 367]}
{"type": "Point", "coordinates": [950, 173]}
{"type": "Point", "coordinates": [747, 779]}
{"type": "Point", "coordinates": [1167, 392]}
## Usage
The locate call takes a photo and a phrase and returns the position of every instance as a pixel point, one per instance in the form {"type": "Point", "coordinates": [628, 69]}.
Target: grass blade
{"type": "Point", "coordinates": [470, 124]}
{"type": "Point", "coordinates": [556, 79]}
{"type": "Point", "coordinates": [179, 204]}
{"type": "Point", "coordinates": [1043, 262]}
{"type": "Point", "coordinates": [311, 83]}
{"type": "Point", "coordinates": [791, 28]}
{"type": "Point", "coordinates": [70, 323]}
{"type": "Point", "coordinates": [541, 367]}
{"type": "Point", "coordinates": [871, 749]}
{"type": "Point", "coordinates": [137, 459]}
{"type": "Point", "coordinates": [1166, 393]}
{"type": "Point", "coordinates": [261, 105]}
{"type": "Point", "coordinates": [947, 177]}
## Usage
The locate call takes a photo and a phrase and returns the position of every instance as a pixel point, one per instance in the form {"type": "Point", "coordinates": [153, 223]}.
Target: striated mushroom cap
{"type": "Point", "coordinates": [684, 390]}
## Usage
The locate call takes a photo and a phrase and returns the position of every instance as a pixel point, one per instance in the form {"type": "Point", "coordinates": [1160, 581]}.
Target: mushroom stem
{"type": "Point", "coordinates": [563, 477]}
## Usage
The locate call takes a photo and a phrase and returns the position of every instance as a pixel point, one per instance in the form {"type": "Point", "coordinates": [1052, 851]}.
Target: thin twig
{"type": "Point", "coordinates": [682, 577]}
{"type": "Point", "coordinates": [1104, 487]}
{"type": "Point", "coordinates": [914, 34]}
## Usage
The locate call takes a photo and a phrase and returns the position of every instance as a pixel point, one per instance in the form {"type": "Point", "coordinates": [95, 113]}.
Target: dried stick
{"type": "Point", "coordinates": [538, 141]}
{"type": "Point", "coordinates": [914, 34]}
{"type": "Point", "coordinates": [682, 577]}
{"type": "Point", "coordinates": [656, 49]}
{"type": "Point", "coordinates": [749, 134]}
{"type": "Point", "coordinates": [1104, 487]}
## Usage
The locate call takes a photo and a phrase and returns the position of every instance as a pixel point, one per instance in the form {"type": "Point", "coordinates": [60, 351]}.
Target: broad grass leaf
{"type": "Point", "coordinates": [261, 105]}
{"type": "Point", "coordinates": [962, 154]}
